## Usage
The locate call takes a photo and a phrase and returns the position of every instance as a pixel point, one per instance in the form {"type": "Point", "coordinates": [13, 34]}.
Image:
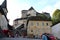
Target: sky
{"type": "Point", "coordinates": [15, 7]}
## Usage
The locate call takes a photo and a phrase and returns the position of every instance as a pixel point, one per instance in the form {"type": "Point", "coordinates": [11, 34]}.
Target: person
{"type": "Point", "coordinates": [48, 36]}
{"type": "Point", "coordinates": [44, 37]}
{"type": "Point", "coordinates": [52, 37]}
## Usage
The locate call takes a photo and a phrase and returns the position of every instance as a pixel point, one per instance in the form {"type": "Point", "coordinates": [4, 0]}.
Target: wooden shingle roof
{"type": "Point", "coordinates": [40, 18]}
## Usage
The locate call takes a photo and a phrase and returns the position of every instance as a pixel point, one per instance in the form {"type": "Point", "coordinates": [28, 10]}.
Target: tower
{"type": "Point", "coordinates": [24, 13]}
{"type": "Point", "coordinates": [3, 13]}
{"type": "Point", "coordinates": [4, 7]}
{"type": "Point", "coordinates": [31, 12]}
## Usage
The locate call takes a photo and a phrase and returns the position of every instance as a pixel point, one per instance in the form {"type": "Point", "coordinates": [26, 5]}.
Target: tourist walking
{"type": "Point", "coordinates": [44, 37]}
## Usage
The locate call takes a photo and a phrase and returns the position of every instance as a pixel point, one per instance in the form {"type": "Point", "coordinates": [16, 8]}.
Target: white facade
{"type": "Point", "coordinates": [19, 22]}
{"type": "Point", "coordinates": [24, 13]}
{"type": "Point", "coordinates": [3, 22]}
{"type": "Point", "coordinates": [56, 30]}
{"type": "Point", "coordinates": [32, 13]}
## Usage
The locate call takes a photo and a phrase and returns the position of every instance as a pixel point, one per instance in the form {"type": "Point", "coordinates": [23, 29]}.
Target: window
{"type": "Point", "coordinates": [31, 30]}
{"type": "Point", "coordinates": [37, 24]}
{"type": "Point", "coordinates": [16, 23]}
{"type": "Point", "coordinates": [31, 23]}
{"type": "Point", "coordinates": [42, 24]}
{"type": "Point", "coordinates": [47, 24]}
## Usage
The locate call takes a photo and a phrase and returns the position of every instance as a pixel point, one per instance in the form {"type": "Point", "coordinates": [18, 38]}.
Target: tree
{"type": "Point", "coordinates": [56, 16]}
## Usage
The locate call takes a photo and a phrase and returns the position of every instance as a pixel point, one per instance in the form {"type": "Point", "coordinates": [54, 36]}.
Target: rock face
{"type": "Point", "coordinates": [56, 30]}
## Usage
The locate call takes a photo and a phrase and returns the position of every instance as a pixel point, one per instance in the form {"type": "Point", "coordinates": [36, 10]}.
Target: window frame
{"type": "Point", "coordinates": [37, 24]}
{"type": "Point", "coordinates": [42, 23]}
{"type": "Point", "coordinates": [46, 24]}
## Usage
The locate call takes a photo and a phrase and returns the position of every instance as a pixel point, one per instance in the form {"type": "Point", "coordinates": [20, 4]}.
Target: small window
{"type": "Point", "coordinates": [37, 24]}
{"type": "Point", "coordinates": [15, 24]}
{"type": "Point", "coordinates": [47, 24]}
{"type": "Point", "coordinates": [31, 30]}
{"type": "Point", "coordinates": [24, 21]}
{"type": "Point", "coordinates": [31, 24]}
{"type": "Point", "coordinates": [42, 24]}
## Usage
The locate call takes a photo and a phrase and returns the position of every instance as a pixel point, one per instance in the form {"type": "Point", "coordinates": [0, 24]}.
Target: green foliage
{"type": "Point", "coordinates": [56, 16]}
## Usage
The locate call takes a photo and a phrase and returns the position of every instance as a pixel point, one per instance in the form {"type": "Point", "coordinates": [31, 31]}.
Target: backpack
{"type": "Point", "coordinates": [48, 37]}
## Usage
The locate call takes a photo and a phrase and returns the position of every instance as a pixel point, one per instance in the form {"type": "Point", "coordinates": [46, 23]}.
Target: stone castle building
{"type": "Point", "coordinates": [35, 23]}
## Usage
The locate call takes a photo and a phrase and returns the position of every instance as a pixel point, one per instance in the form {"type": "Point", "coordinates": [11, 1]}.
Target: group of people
{"type": "Point", "coordinates": [46, 36]}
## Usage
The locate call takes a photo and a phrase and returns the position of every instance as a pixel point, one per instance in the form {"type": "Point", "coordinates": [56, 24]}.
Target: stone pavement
{"type": "Point", "coordinates": [18, 39]}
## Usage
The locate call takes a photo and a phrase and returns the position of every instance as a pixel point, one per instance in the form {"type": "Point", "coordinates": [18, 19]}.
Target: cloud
{"type": "Point", "coordinates": [51, 8]}
{"type": "Point", "coordinates": [42, 2]}
{"type": "Point", "coordinates": [48, 9]}
{"type": "Point", "coordinates": [14, 9]}
{"type": "Point", "coordinates": [1, 1]}
{"type": "Point", "coordinates": [57, 5]}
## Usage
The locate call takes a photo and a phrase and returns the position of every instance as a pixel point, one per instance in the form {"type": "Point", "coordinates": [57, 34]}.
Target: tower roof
{"type": "Point", "coordinates": [31, 8]}
{"type": "Point", "coordinates": [3, 8]}
{"type": "Point", "coordinates": [4, 4]}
